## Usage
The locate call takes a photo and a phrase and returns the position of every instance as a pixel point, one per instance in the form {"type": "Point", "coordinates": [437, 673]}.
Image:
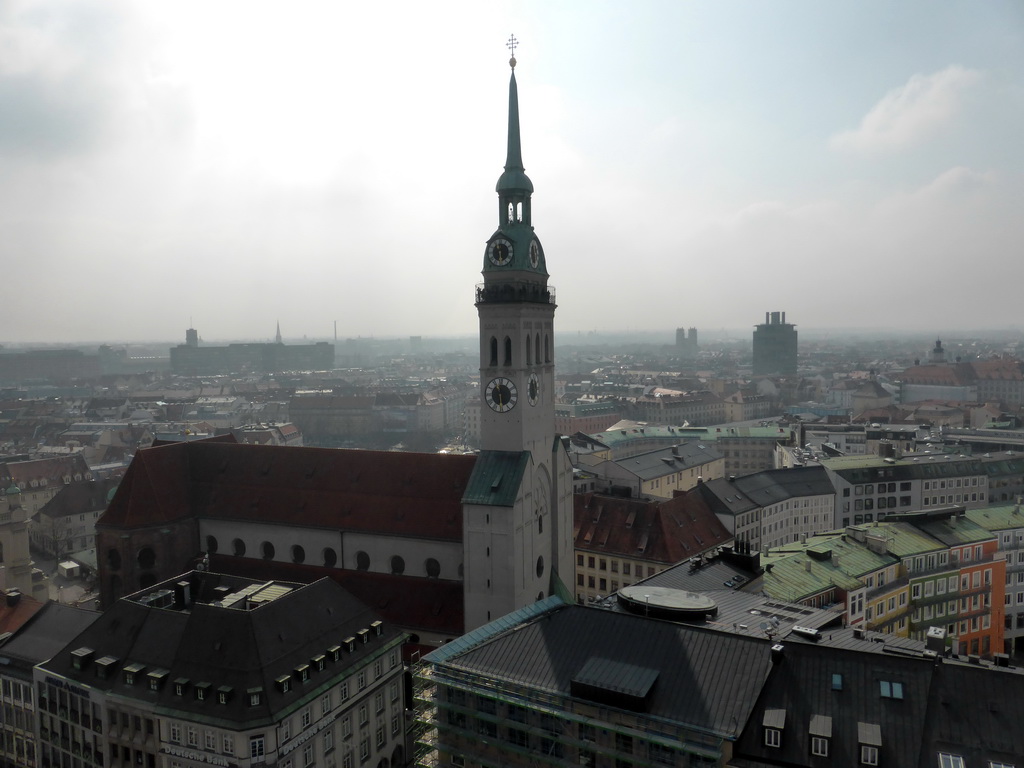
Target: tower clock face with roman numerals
{"type": "Point", "coordinates": [501, 394]}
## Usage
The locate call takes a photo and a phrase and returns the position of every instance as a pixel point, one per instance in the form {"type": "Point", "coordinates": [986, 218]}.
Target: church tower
{"type": "Point", "coordinates": [517, 512]}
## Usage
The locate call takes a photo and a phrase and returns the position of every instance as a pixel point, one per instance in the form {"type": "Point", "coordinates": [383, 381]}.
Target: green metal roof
{"type": "Point", "coordinates": [998, 518]}
{"type": "Point", "coordinates": [496, 479]}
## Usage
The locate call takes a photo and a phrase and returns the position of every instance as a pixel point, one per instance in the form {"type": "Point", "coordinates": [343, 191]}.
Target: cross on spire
{"type": "Point", "coordinates": [511, 45]}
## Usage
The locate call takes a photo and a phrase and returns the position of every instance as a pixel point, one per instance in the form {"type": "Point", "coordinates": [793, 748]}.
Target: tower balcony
{"type": "Point", "coordinates": [514, 292]}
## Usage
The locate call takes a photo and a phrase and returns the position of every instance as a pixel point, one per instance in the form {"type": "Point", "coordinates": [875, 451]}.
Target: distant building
{"type": "Point", "coordinates": [774, 507]}
{"type": "Point", "coordinates": [190, 359]}
{"type": "Point", "coordinates": [686, 343]}
{"type": "Point", "coordinates": [588, 417]}
{"type": "Point", "coordinates": [775, 346]}
{"type": "Point", "coordinates": [659, 473]}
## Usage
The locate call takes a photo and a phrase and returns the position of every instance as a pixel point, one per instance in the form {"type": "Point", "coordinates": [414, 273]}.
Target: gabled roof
{"type": "Point", "coordinates": [74, 499]}
{"type": "Point", "coordinates": [433, 605]}
{"type": "Point", "coordinates": [665, 531]}
{"type": "Point", "coordinates": [705, 679]}
{"type": "Point", "coordinates": [417, 493]}
{"type": "Point", "coordinates": [802, 686]}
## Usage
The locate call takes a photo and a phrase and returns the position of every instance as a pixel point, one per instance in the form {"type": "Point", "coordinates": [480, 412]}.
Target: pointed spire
{"type": "Point", "coordinates": [514, 178]}
{"type": "Point", "coordinates": [278, 338]}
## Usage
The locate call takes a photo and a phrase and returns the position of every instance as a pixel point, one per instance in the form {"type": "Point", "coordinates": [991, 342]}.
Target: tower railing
{"type": "Point", "coordinates": [514, 292]}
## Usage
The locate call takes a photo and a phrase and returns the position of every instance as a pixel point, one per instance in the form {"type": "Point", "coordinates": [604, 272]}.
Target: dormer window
{"type": "Point", "coordinates": [103, 667]}
{"type": "Point", "coordinates": [377, 628]}
{"type": "Point", "coordinates": [156, 679]}
{"type": "Point", "coordinates": [350, 644]}
{"type": "Point", "coordinates": [319, 662]}
{"type": "Point", "coordinates": [364, 635]}
{"type": "Point", "coordinates": [255, 696]}
{"type": "Point", "coordinates": [820, 731]}
{"type": "Point", "coordinates": [80, 657]}
{"type": "Point", "coordinates": [202, 691]}
{"type": "Point", "coordinates": [180, 686]}
{"type": "Point", "coordinates": [283, 683]}
{"type": "Point", "coordinates": [224, 694]}
{"type": "Point", "coordinates": [131, 672]}
{"type": "Point", "coordinates": [334, 652]}
{"type": "Point", "coordinates": [302, 673]}
{"type": "Point", "coordinates": [869, 741]}
{"type": "Point", "coordinates": [774, 722]}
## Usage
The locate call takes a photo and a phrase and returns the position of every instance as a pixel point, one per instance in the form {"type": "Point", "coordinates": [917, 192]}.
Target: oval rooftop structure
{"type": "Point", "coordinates": [665, 603]}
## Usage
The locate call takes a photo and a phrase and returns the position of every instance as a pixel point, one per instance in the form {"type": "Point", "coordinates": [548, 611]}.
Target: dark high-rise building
{"type": "Point", "coordinates": [686, 343]}
{"type": "Point", "coordinates": [775, 346]}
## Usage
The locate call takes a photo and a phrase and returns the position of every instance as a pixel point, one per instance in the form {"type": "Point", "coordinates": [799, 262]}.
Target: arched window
{"type": "Point", "coordinates": [540, 566]}
{"type": "Point", "coordinates": [146, 557]}
{"type": "Point", "coordinates": [529, 357]}
{"type": "Point", "coordinates": [508, 351]}
{"type": "Point", "coordinates": [362, 561]}
{"type": "Point", "coordinates": [547, 350]}
{"type": "Point", "coordinates": [494, 351]}
{"type": "Point", "coordinates": [433, 568]}
{"type": "Point", "coordinates": [298, 554]}
{"type": "Point", "coordinates": [330, 557]}
{"type": "Point", "coordinates": [238, 548]}
{"type": "Point", "coordinates": [536, 342]}
{"type": "Point", "coordinates": [211, 545]}
{"type": "Point", "coordinates": [267, 550]}
{"type": "Point", "coordinates": [397, 565]}
{"type": "Point", "coordinates": [519, 211]}
{"type": "Point", "coordinates": [511, 213]}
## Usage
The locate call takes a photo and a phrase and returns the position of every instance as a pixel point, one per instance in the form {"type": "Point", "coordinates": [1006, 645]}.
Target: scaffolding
{"type": "Point", "coordinates": [495, 723]}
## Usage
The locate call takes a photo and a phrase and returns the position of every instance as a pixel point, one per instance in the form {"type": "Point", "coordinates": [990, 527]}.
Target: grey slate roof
{"type": "Point", "coordinates": [705, 679]}
{"type": "Point", "coordinates": [234, 647]}
{"type": "Point", "coordinates": [761, 489]}
{"type": "Point", "coordinates": [46, 633]}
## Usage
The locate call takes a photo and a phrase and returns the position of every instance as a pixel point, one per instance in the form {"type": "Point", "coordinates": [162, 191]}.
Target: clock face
{"type": "Point", "coordinates": [533, 389]}
{"type": "Point", "coordinates": [534, 253]}
{"type": "Point", "coordinates": [501, 394]}
{"type": "Point", "coordinates": [499, 251]}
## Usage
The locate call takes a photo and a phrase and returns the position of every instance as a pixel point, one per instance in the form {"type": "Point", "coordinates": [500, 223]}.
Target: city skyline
{"type": "Point", "coordinates": [852, 164]}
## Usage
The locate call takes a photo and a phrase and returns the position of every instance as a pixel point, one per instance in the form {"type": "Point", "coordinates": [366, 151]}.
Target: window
{"type": "Point", "coordinates": [328, 741]}
{"type": "Point", "coordinates": [819, 746]}
{"type": "Point", "coordinates": [257, 747]}
{"type": "Point", "coordinates": [346, 727]}
{"type": "Point", "coordinates": [228, 745]}
{"type": "Point", "coordinates": [211, 741]}
{"type": "Point", "coordinates": [380, 735]}
{"type": "Point", "coordinates": [176, 733]}
{"type": "Point", "coordinates": [307, 755]}
{"type": "Point", "coordinates": [307, 718]}
{"type": "Point", "coordinates": [868, 755]}
{"type": "Point", "coordinates": [364, 716]}
{"type": "Point", "coordinates": [837, 682]}
{"type": "Point", "coordinates": [344, 691]}
{"type": "Point", "coordinates": [193, 737]}
{"type": "Point", "coordinates": [772, 737]}
{"type": "Point", "coordinates": [325, 704]}
{"type": "Point", "coordinates": [378, 702]}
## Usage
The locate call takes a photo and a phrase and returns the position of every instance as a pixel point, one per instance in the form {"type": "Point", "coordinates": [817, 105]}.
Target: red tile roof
{"type": "Point", "coordinates": [665, 531]}
{"type": "Point", "coordinates": [417, 494]}
{"type": "Point", "coordinates": [12, 617]}
{"type": "Point", "coordinates": [433, 605]}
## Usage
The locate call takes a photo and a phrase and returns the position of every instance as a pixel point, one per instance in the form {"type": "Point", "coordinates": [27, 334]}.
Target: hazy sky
{"type": "Point", "coordinates": [695, 163]}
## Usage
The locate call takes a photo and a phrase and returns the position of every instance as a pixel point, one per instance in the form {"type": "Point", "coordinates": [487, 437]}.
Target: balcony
{"type": "Point", "coordinates": [515, 292]}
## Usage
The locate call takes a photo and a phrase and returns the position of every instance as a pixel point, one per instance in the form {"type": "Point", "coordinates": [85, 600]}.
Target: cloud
{"type": "Point", "coordinates": [909, 114]}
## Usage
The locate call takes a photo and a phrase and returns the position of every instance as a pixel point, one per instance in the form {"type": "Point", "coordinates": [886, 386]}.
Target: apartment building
{"type": "Point", "coordinates": [208, 669]}
{"type": "Point", "coordinates": [620, 541]}
{"type": "Point", "coordinates": [774, 507]}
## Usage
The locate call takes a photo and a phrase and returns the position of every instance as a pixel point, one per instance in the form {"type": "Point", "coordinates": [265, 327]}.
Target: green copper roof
{"type": "Point", "coordinates": [496, 478]}
{"type": "Point", "coordinates": [514, 178]}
